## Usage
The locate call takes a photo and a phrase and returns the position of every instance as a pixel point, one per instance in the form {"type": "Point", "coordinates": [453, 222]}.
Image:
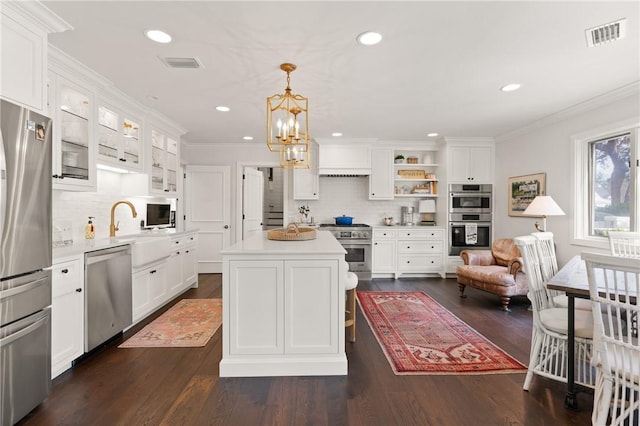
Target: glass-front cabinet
{"type": "Point", "coordinates": [164, 163]}
{"type": "Point", "coordinates": [72, 108]}
{"type": "Point", "coordinates": [119, 139]}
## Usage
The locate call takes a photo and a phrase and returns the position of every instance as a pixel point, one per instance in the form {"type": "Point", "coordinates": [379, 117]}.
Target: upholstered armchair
{"type": "Point", "coordinates": [497, 271]}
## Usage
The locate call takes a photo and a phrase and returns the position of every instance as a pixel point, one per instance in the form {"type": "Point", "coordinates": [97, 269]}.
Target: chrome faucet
{"type": "Point", "coordinates": [112, 227]}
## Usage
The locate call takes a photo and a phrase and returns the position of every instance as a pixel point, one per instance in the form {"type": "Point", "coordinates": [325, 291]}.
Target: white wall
{"type": "Point", "coordinates": [547, 149]}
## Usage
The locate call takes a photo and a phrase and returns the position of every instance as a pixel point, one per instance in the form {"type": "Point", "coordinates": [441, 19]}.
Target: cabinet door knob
{"type": "Point", "coordinates": [65, 271]}
{"type": "Point", "coordinates": [153, 272]}
{"type": "Point", "coordinates": [79, 290]}
{"type": "Point", "coordinates": [408, 261]}
{"type": "Point", "coordinates": [226, 227]}
{"type": "Point", "coordinates": [375, 244]}
{"type": "Point", "coordinates": [408, 246]}
{"type": "Point", "coordinates": [187, 251]}
{"type": "Point", "coordinates": [124, 160]}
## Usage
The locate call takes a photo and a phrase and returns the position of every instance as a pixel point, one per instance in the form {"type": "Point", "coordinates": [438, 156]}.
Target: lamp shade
{"type": "Point", "coordinates": [543, 206]}
{"type": "Point", "coordinates": [427, 206]}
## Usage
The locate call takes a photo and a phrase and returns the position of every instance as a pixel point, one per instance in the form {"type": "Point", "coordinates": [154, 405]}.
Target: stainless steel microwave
{"type": "Point", "coordinates": [470, 198]}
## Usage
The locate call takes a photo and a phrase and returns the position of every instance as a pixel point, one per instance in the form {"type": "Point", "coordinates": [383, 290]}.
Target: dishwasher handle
{"type": "Point", "coordinates": [103, 255]}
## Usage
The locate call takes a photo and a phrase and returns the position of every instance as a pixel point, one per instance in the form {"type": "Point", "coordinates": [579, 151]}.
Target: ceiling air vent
{"type": "Point", "coordinates": [606, 33]}
{"type": "Point", "coordinates": [189, 63]}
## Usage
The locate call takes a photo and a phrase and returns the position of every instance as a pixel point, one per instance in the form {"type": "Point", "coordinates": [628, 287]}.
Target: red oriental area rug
{"type": "Point", "coordinates": [189, 323]}
{"type": "Point", "coordinates": [420, 336]}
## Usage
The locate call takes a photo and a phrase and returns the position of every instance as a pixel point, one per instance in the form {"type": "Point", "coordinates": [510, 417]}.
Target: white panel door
{"type": "Point", "coordinates": [252, 200]}
{"type": "Point", "coordinates": [255, 300]}
{"type": "Point", "coordinates": [208, 208]}
{"type": "Point", "coordinates": [311, 307]}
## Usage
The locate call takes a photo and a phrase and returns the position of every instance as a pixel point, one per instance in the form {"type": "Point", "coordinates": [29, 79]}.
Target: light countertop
{"type": "Point", "coordinates": [325, 243]}
{"type": "Point", "coordinates": [81, 247]}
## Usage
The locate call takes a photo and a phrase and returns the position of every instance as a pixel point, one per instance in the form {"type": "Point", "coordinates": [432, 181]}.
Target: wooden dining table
{"type": "Point", "coordinates": [573, 280]}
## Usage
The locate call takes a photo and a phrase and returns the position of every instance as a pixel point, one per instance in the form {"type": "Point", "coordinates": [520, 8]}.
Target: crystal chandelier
{"type": "Point", "coordinates": [287, 126]}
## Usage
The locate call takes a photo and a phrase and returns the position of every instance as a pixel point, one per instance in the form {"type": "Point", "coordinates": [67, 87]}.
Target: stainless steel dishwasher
{"type": "Point", "coordinates": [108, 296]}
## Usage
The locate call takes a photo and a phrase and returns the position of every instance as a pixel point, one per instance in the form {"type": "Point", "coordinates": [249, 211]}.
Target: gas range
{"type": "Point", "coordinates": [345, 233]}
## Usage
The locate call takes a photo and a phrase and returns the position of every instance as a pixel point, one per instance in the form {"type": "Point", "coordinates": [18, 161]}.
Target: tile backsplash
{"type": "Point", "coordinates": [349, 196]}
{"type": "Point", "coordinates": [74, 208]}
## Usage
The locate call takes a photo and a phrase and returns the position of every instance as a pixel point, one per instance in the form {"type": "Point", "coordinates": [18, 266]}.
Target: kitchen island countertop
{"type": "Point", "coordinates": [325, 243]}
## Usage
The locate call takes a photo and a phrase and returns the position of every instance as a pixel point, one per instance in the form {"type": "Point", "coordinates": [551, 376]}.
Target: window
{"type": "Point", "coordinates": [609, 185]}
{"type": "Point", "coordinates": [607, 193]}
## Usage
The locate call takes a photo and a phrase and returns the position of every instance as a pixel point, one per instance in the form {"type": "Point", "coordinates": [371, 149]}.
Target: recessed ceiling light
{"type": "Point", "coordinates": [432, 135]}
{"type": "Point", "coordinates": [158, 36]}
{"type": "Point", "coordinates": [248, 138]}
{"type": "Point", "coordinates": [510, 87]}
{"type": "Point", "coordinates": [223, 108]}
{"type": "Point", "coordinates": [369, 38]}
{"type": "Point", "coordinates": [336, 134]}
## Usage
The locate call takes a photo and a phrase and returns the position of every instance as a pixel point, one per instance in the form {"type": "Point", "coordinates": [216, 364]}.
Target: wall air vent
{"type": "Point", "coordinates": [606, 33]}
{"type": "Point", "coordinates": [189, 63]}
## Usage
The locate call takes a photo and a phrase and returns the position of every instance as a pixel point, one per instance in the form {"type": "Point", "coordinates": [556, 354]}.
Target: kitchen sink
{"type": "Point", "coordinates": [147, 250]}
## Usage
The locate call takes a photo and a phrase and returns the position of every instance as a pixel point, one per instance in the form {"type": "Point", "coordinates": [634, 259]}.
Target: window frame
{"type": "Point", "coordinates": [581, 182]}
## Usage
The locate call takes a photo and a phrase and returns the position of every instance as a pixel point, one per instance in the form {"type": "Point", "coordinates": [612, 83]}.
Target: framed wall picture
{"type": "Point", "coordinates": [522, 191]}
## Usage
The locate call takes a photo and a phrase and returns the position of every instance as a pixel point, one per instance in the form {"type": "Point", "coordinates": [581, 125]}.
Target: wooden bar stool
{"type": "Point", "coordinates": [350, 284]}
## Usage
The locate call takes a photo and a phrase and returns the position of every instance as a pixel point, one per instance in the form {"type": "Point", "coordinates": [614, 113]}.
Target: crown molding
{"type": "Point", "coordinates": [623, 92]}
{"type": "Point", "coordinates": [38, 14]}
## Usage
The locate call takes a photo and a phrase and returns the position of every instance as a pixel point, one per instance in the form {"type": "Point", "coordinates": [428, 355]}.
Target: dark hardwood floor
{"type": "Point", "coordinates": [180, 386]}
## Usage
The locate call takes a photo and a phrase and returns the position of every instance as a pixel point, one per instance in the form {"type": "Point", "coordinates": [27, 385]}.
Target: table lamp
{"type": "Point", "coordinates": [428, 209]}
{"type": "Point", "coordinates": [543, 206]}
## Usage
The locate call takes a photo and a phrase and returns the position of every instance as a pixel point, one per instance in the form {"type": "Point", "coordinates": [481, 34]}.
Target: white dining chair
{"type": "Point", "coordinates": [549, 267]}
{"type": "Point", "coordinates": [614, 285]}
{"type": "Point", "coordinates": [548, 357]}
{"type": "Point", "coordinates": [624, 243]}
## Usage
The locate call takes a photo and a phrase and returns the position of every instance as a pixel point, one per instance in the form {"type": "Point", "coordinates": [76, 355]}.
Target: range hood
{"type": "Point", "coordinates": [344, 160]}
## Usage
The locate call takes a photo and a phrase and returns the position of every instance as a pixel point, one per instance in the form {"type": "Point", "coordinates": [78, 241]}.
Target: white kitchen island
{"type": "Point", "coordinates": [283, 308]}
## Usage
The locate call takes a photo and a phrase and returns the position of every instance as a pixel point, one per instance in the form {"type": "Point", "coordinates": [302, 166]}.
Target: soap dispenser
{"type": "Point", "coordinates": [89, 229]}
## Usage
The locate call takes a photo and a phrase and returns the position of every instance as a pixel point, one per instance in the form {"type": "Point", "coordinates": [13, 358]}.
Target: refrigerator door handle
{"type": "Point", "coordinates": [3, 185]}
{"type": "Point", "coordinates": [22, 288]}
{"type": "Point", "coordinates": [15, 336]}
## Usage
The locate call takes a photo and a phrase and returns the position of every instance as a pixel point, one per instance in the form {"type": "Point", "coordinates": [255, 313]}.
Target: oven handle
{"type": "Point", "coordinates": [470, 194]}
{"type": "Point", "coordinates": [469, 222]}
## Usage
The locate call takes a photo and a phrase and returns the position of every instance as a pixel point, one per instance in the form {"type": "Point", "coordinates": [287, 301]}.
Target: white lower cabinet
{"type": "Point", "coordinates": [283, 307]}
{"type": "Point", "coordinates": [408, 250]}
{"type": "Point", "coordinates": [149, 289]}
{"type": "Point", "coordinates": [67, 314]}
{"type": "Point", "coordinates": [384, 251]}
{"type": "Point", "coordinates": [190, 261]}
{"type": "Point", "coordinates": [160, 282]}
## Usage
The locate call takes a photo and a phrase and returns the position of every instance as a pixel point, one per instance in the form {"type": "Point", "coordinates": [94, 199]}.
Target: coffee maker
{"type": "Point", "coordinates": [406, 216]}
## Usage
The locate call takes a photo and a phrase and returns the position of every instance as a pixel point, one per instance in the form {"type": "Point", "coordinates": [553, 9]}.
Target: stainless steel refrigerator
{"type": "Point", "coordinates": [25, 260]}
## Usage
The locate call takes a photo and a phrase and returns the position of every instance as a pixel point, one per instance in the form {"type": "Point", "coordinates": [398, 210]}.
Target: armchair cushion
{"type": "Point", "coordinates": [504, 250]}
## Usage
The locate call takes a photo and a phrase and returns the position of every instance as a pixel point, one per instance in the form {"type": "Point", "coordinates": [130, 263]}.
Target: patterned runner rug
{"type": "Point", "coordinates": [188, 323]}
{"type": "Point", "coordinates": [420, 336]}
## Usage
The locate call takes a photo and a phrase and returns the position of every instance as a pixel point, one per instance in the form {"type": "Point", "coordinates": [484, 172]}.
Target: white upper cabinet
{"type": "Point", "coordinates": [381, 177]}
{"type": "Point", "coordinates": [24, 27]}
{"type": "Point", "coordinates": [164, 163]}
{"type": "Point", "coordinates": [72, 109]}
{"type": "Point", "coordinates": [470, 163]}
{"type": "Point", "coordinates": [306, 184]}
{"type": "Point", "coordinates": [119, 138]}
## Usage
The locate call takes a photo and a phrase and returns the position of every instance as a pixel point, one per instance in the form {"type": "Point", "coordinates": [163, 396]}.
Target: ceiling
{"type": "Point", "coordinates": [439, 67]}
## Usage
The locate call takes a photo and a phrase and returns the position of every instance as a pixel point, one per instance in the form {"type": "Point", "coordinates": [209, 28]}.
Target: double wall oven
{"type": "Point", "coordinates": [356, 240]}
{"type": "Point", "coordinates": [470, 217]}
